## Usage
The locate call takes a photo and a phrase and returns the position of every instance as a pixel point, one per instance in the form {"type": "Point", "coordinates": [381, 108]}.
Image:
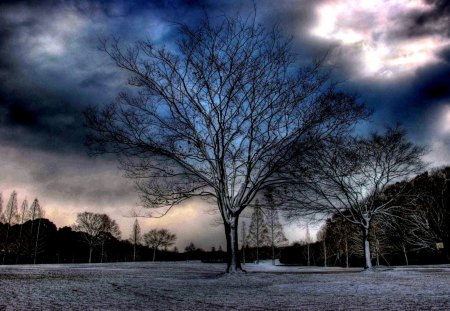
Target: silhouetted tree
{"type": "Point", "coordinates": [216, 118]}
{"type": "Point", "coordinates": [96, 228]}
{"type": "Point", "coordinates": [109, 231]}
{"type": "Point", "coordinates": [428, 219]}
{"type": "Point", "coordinates": [258, 231]}
{"type": "Point", "coordinates": [23, 219]}
{"type": "Point", "coordinates": [275, 228]}
{"type": "Point", "coordinates": [10, 217]}
{"type": "Point", "coordinates": [135, 237]}
{"type": "Point", "coordinates": [158, 238]}
{"type": "Point", "coordinates": [190, 248]}
{"type": "Point", "coordinates": [350, 177]}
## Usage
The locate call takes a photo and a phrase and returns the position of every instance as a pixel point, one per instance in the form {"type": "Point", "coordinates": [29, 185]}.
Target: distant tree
{"type": "Point", "coordinates": [243, 240]}
{"type": "Point", "coordinates": [258, 232]}
{"type": "Point", "coordinates": [159, 238]}
{"type": "Point", "coordinates": [190, 248]}
{"type": "Point", "coordinates": [1, 208]}
{"type": "Point", "coordinates": [109, 231]}
{"type": "Point", "coordinates": [35, 212]}
{"type": "Point", "coordinates": [23, 218]}
{"type": "Point", "coordinates": [10, 217]}
{"type": "Point", "coordinates": [428, 218]}
{"type": "Point", "coordinates": [350, 177]}
{"type": "Point", "coordinates": [322, 238]}
{"type": "Point", "coordinates": [96, 228]}
{"type": "Point", "coordinates": [41, 238]}
{"type": "Point", "coordinates": [308, 241]}
{"type": "Point", "coordinates": [275, 228]}
{"type": "Point", "coordinates": [339, 233]}
{"type": "Point", "coordinates": [24, 214]}
{"type": "Point", "coordinates": [135, 237]}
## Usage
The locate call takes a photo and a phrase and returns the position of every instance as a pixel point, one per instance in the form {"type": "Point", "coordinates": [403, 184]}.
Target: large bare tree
{"type": "Point", "coordinates": [351, 177]}
{"type": "Point", "coordinates": [215, 116]}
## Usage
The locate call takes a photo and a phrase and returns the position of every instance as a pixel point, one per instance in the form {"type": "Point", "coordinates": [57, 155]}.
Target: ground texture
{"type": "Point", "coordinates": [197, 286]}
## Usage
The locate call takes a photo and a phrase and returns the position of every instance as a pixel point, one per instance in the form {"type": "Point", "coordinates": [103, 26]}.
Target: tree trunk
{"type": "Point", "coordinates": [346, 252]}
{"type": "Point", "coordinates": [405, 254]}
{"type": "Point", "coordinates": [234, 264]}
{"type": "Point", "coordinates": [307, 248]}
{"type": "Point", "coordinates": [6, 243]}
{"type": "Point", "coordinates": [134, 251]}
{"type": "Point", "coordinates": [243, 243]}
{"type": "Point", "coordinates": [101, 257]}
{"type": "Point", "coordinates": [90, 253]}
{"type": "Point", "coordinates": [257, 237]}
{"type": "Point", "coordinates": [273, 245]}
{"type": "Point", "coordinates": [366, 245]}
{"type": "Point", "coordinates": [154, 253]}
{"type": "Point", "coordinates": [37, 241]}
{"type": "Point", "coordinates": [324, 253]}
{"type": "Point", "coordinates": [227, 236]}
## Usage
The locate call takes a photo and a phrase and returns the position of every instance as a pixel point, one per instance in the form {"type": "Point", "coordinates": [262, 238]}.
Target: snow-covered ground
{"type": "Point", "coordinates": [198, 286]}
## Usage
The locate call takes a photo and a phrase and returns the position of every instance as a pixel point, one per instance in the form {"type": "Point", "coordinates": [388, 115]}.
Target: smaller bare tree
{"type": "Point", "coordinates": [96, 228]}
{"type": "Point", "coordinates": [10, 217]}
{"type": "Point", "coordinates": [276, 233]}
{"type": "Point", "coordinates": [135, 237]}
{"type": "Point", "coordinates": [350, 178]}
{"type": "Point", "coordinates": [258, 231]}
{"type": "Point", "coordinates": [159, 238]}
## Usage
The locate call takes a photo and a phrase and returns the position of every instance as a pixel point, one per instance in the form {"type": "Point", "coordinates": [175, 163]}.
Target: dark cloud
{"type": "Point", "coordinates": [435, 20]}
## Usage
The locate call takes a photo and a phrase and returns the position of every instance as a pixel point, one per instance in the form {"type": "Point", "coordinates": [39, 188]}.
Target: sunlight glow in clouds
{"type": "Point", "coordinates": [370, 28]}
{"type": "Point", "coordinates": [444, 122]}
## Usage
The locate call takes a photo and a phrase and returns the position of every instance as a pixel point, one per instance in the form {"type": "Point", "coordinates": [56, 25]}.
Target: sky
{"type": "Point", "coordinates": [395, 54]}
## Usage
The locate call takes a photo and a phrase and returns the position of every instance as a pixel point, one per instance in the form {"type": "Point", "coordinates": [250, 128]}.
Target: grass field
{"type": "Point", "coordinates": [198, 286]}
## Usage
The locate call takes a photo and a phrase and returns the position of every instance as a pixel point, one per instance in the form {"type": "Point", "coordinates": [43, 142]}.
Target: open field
{"type": "Point", "coordinates": [198, 286]}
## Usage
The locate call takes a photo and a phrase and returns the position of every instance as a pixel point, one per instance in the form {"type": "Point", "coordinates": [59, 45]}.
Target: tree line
{"type": "Point", "coordinates": [26, 237]}
{"type": "Point", "coordinates": [417, 231]}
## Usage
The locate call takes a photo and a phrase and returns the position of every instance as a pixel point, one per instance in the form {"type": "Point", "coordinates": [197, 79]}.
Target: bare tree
{"type": "Point", "coordinates": [258, 231]}
{"type": "Point", "coordinates": [243, 240]}
{"type": "Point", "coordinates": [23, 214]}
{"type": "Point", "coordinates": [350, 177]}
{"type": "Point", "coordinates": [427, 220]}
{"type": "Point", "coordinates": [159, 238]}
{"type": "Point", "coordinates": [135, 237]}
{"type": "Point", "coordinates": [96, 228]}
{"type": "Point", "coordinates": [23, 217]}
{"type": "Point", "coordinates": [110, 229]}
{"type": "Point", "coordinates": [35, 212]}
{"type": "Point", "coordinates": [1, 208]}
{"type": "Point", "coordinates": [308, 241]}
{"type": "Point", "coordinates": [322, 237]}
{"type": "Point", "coordinates": [276, 233]}
{"type": "Point", "coordinates": [10, 217]}
{"type": "Point", "coordinates": [216, 116]}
